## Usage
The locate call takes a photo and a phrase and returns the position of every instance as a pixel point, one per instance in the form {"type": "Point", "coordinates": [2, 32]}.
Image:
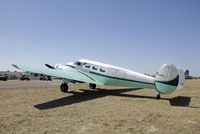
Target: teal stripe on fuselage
{"type": "Point", "coordinates": [114, 81]}
{"type": "Point", "coordinates": [164, 88]}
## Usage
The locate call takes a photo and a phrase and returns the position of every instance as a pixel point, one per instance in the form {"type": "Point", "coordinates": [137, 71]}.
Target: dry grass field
{"type": "Point", "coordinates": [32, 108]}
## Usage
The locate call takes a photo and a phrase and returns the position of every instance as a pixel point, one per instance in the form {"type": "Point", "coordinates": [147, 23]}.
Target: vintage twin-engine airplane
{"type": "Point", "coordinates": [168, 79]}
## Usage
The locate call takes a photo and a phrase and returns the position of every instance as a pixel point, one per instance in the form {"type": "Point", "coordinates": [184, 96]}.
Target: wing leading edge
{"type": "Point", "coordinates": [69, 73]}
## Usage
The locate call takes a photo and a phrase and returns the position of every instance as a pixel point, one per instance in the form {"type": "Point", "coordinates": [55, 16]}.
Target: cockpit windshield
{"type": "Point", "coordinates": [78, 63]}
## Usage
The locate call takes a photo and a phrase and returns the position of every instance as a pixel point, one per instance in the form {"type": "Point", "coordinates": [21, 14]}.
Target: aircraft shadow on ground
{"type": "Point", "coordinates": [87, 95]}
{"type": "Point", "coordinates": [180, 101]}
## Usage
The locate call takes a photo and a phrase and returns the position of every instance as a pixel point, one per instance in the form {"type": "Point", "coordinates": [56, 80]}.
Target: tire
{"type": "Point", "coordinates": [64, 87]}
{"type": "Point", "coordinates": [92, 86]}
{"type": "Point", "coordinates": [158, 96]}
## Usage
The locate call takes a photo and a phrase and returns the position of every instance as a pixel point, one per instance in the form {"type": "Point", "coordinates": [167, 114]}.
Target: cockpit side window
{"type": "Point", "coordinates": [87, 66]}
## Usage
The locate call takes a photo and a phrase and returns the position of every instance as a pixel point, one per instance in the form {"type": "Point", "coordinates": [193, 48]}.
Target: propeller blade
{"type": "Point", "coordinates": [49, 66]}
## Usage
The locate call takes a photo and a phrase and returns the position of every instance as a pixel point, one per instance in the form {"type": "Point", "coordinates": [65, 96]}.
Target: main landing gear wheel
{"type": "Point", "coordinates": [64, 87]}
{"type": "Point", "coordinates": [92, 86]}
{"type": "Point", "coordinates": [158, 96]}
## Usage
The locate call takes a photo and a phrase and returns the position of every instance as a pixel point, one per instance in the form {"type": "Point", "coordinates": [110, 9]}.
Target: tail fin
{"type": "Point", "coordinates": [169, 79]}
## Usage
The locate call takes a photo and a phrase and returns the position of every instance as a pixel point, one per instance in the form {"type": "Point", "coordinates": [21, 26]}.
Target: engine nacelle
{"type": "Point", "coordinates": [60, 66]}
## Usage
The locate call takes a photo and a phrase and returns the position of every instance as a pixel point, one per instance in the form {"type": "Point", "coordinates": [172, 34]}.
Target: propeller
{"type": "Point", "coordinates": [49, 66]}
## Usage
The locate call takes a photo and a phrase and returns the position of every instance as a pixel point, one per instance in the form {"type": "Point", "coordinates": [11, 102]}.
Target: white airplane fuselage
{"type": "Point", "coordinates": [112, 75]}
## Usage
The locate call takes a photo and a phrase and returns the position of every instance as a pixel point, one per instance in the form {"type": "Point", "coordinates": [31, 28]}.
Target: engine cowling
{"type": "Point", "coordinates": [57, 66]}
{"type": "Point", "coordinates": [60, 66]}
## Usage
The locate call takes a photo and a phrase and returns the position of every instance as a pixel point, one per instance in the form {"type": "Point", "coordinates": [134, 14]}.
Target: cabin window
{"type": "Point", "coordinates": [94, 68]}
{"type": "Point", "coordinates": [87, 66]}
{"type": "Point", "coordinates": [102, 70]}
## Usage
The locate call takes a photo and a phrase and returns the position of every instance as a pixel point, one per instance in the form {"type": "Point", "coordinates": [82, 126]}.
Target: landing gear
{"type": "Point", "coordinates": [158, 96]}
{"type": "Point", "coordinates": [92, 86]}
{"type": "Point", "coordinates": [64, 87]}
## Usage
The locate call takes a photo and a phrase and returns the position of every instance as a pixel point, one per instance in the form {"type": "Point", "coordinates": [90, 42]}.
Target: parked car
{"type": "Point", "coordinates": [3, 77]}
{"type": "Point", "coordinates": [24, 77]}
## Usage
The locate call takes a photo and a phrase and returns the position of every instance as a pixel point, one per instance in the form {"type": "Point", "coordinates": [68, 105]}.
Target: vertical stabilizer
{"type": "Point", "coordinates": [169, 79]}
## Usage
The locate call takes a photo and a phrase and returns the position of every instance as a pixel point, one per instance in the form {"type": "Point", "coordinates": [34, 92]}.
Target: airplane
{"type": "Point", "coordinates": [167, 80]}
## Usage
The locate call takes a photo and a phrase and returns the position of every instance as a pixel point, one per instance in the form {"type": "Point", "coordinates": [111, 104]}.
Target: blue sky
{"type": "Point", "coordinates": [137, 34]}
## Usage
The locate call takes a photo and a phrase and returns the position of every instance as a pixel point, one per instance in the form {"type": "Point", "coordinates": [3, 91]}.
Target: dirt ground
{"type": "Point", "coordinates": [44, 110]}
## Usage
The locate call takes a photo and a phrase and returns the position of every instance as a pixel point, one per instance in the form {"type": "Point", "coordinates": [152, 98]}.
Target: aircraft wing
{"type": "Point", "coordinates": [68, 73]}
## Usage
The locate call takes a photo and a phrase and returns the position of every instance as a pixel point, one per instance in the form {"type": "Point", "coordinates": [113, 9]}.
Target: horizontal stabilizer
{"type": "Point", "coordinates": [181, 80]}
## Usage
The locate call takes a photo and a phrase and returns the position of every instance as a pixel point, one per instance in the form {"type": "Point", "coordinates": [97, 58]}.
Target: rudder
{"type": "Point", "coordinates": [169, 79]}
